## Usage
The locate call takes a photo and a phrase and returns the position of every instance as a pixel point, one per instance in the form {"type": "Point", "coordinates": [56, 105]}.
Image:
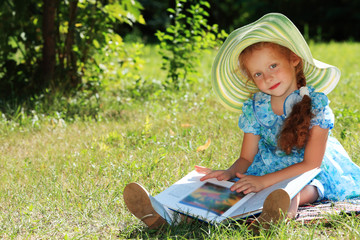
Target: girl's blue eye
{"type": "Point", "coordinates": [257, 75]}
{"type": "Point", "coordinates": [272, 66]}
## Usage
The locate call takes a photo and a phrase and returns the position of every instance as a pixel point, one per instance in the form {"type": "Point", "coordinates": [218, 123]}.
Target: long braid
{"type": "Point", "coordinates": [295, 131]}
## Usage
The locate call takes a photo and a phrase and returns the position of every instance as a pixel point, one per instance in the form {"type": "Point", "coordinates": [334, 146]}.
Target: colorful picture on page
{"type": "Point", "coordinates": [213, 198]}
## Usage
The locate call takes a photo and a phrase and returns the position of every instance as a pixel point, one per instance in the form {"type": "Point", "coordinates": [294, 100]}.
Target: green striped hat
{"type": "Point", "coordinates": [230, 84]}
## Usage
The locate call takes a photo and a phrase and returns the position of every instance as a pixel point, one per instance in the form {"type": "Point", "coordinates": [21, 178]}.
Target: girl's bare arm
{"type": "Point", "coordinates": [314, 154]}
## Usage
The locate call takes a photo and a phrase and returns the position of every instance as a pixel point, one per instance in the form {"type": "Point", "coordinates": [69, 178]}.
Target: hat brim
{"type": "Point", "coordinates": [231, 85]}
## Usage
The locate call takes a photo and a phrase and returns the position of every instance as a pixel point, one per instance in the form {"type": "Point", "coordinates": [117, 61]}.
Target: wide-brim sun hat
{"type": "Point", "coordinates": [230, 84]}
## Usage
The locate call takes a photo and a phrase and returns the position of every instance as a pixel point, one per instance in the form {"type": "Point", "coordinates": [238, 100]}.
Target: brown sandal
{"type": "Point", "coordinates": [138, 202]}
{"type": "Point", "coordinates": [274, 209]}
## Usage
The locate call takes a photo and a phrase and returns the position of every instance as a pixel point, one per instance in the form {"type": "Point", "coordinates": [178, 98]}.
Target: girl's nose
{"type": "Point", "coordinates": [268, 77]}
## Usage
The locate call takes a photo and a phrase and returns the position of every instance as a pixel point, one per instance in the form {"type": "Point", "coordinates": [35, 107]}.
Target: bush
{"type": "Point", "coordinates": [182, 42]}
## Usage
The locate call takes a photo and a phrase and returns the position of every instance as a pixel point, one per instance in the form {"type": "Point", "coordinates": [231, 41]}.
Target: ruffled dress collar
{"type": "Point", "coordinates": [264, 113]}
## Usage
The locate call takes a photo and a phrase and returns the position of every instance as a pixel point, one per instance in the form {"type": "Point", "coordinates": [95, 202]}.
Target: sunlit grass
{"type": "Point", "coordinates": [65, 179]}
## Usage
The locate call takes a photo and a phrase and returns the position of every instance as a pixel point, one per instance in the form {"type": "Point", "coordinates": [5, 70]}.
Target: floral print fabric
{"type": "Point", "coordinates": [340, 176]}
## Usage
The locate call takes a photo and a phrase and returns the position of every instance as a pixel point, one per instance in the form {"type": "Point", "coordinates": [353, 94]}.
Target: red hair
{"type": "Point", "coordinates": [295, 130]}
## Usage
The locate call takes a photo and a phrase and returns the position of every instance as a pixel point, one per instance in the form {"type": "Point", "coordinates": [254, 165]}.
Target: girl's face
{"type": "Point", "coordinates": [272, 70]}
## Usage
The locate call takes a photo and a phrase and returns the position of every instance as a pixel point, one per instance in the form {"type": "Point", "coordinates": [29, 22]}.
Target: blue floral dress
{"type": "Point", "coordinates": [340, 176]}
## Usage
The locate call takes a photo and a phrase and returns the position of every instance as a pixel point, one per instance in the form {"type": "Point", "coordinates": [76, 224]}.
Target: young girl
{"type": "Point", "coordinates": [274, 152]}
{"type": "Point", "coordinates": [286, 123]}
{"type": "Point", "coordinates": [266, 70]}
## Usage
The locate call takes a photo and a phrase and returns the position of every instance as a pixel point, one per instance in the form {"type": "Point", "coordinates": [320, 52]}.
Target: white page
{"type": "Point", "coordinates": [292, 186]}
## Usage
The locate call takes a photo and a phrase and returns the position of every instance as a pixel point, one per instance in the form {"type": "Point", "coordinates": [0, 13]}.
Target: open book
{"type": "Point", "coordinates": [212, 201]}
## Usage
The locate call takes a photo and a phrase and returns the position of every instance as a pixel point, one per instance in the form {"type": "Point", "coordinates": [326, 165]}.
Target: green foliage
{"type": "Point", "coordinates": [115, 65]}
{"type": "Point", "coordinates": [81, 29]}
{"type": "Point", "coordinates": [20, 46]}
{"type": "Point", "coordinates": [94, 32]}
{"type": "Point", "coordinates": [182, 42]}
{"type": "Point", "coordinates": [127, 11]}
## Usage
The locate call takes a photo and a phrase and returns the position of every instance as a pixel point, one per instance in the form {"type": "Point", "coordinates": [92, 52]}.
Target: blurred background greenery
{"type": "Point", "coordinates": [65, 56]}
{"type": "Point", "coordinates": [320, 20]}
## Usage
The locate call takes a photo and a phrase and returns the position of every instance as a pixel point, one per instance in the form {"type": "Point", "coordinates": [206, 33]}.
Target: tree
{"type": "Point", "coordinates": [48, 34]}
{"type": "Point", "coordinates": [47, 45]}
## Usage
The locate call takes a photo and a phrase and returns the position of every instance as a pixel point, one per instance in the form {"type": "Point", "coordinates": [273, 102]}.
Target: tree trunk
{"type": "Point", "coordinates": [71, 61]}
{"type": "Point", "coordinates": [49, 48]}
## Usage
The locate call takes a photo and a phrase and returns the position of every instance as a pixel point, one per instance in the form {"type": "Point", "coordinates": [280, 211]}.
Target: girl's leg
{"type": "Point", "coordinates": [308, 194]}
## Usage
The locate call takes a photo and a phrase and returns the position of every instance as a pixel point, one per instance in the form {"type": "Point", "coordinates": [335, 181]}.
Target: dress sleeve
{"type": "Point", "coordinates": [247, 120]}
{"type": "Point", "coordinates": [323, 115]}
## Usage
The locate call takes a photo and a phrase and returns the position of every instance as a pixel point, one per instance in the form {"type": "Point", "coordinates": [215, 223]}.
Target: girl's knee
{"type": "Point", "coordinates": [308, 194]}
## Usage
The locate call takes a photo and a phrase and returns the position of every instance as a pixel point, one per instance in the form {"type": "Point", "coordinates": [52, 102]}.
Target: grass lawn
{"type": "Point", "coordinates": [65, 179]}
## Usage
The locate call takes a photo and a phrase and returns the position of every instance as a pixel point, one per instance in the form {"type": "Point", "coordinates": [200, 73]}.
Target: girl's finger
{"type": "Point", "coordinates": [239, 186]}
{"type": "Point", "coordinates": [201, 169]}
{"type": "Point", "coordinates": [213, 174]}
{"type": "Point", "coordinates": [249, 190]}
{"type": "Point", "coordinates": [243, 188]}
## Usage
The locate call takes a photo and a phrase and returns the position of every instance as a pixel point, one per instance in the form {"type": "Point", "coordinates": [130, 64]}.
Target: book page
{"type": "Point", "coordinates": [210, 200]}
{"type": "Point", "coordinates": [292, 186]}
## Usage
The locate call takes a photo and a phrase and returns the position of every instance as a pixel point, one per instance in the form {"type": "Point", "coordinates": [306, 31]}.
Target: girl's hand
{"type": "Point", "coordinates": [220, 175]}
{"type": "Point", "coordinates": [248, 183]}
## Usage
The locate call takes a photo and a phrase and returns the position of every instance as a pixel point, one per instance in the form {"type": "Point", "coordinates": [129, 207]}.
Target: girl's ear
{"type": "Point", "coordinates": [294, 59]}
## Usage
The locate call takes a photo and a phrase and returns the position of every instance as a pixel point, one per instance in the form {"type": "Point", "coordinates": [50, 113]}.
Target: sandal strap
{"type": "Point", "coordinates": [146, 216]}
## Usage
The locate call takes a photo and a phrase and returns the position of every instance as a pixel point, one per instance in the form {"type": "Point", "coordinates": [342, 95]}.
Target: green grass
{"type": "Point", "coordinates": [65, 179]}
